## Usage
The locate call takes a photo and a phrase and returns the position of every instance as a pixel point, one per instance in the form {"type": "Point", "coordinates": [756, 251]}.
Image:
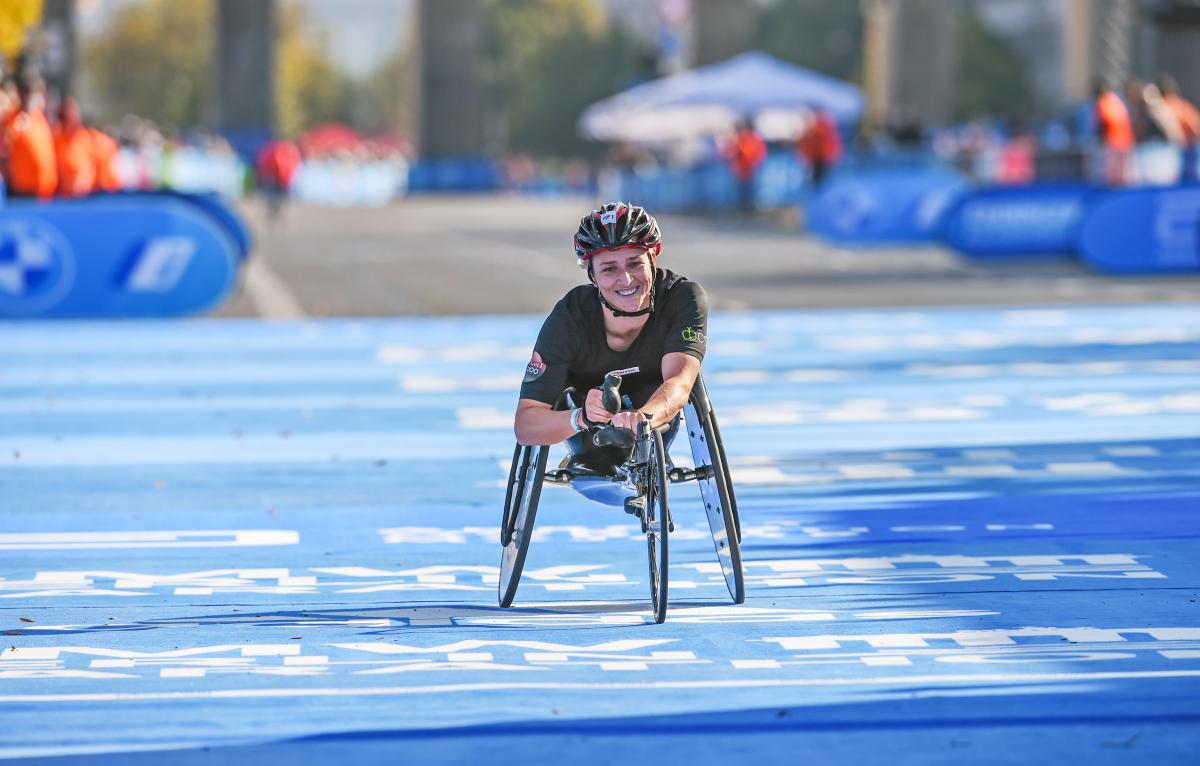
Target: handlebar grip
{"type": "Point", "coordinates": [610, 393]}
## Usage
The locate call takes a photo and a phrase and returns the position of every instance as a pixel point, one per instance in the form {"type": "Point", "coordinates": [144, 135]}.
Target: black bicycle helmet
{"type": "Point", "coordinates": [617, 224]}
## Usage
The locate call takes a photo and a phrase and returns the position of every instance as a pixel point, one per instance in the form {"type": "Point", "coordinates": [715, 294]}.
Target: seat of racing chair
{"type": "Point", "coordinates": [598, 451]}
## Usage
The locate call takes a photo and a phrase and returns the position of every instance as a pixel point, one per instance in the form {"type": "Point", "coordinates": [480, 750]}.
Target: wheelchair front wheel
{"type": "Point", "coordinates": [657, 523]}
{"type": "Point", "coordinates": [525, 478]}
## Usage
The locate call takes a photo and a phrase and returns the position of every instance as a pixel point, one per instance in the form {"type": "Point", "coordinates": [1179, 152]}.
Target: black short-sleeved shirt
{"type": "Point", "coordinates": [572, 348]}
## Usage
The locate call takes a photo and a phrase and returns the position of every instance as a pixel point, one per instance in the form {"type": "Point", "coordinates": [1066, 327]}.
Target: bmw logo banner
{"type": "Point", "coordinates": [113, 256]}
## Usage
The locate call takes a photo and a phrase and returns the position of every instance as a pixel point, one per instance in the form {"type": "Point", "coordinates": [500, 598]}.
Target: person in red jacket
{"type": "Point", "coordinates": [745, 151]}
{"type": "Point", "coordinates": [74, 151]}
{"type": "Point", "coordinates": [30, 168]}
{"type": "Point", "coordinates": [820, 145]}
{"type": "Point", "coordinates": [275, 167]}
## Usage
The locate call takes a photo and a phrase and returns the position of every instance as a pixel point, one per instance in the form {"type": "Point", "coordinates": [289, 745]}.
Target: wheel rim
{"type": "Point", "coordinates": [733, 506]}
{"type": "Point", "coordinates": [523, 513]}
{"type": "Point", "coordinates": [657, 528]}
{"type": "Point", "coordinates": [514, 471]}
{"type": "Point", "coordinates": [718, 508]}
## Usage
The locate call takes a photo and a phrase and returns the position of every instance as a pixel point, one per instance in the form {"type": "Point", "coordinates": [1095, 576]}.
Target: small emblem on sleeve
{"type": "Point", "coordinates": [692, 335]}
{"type": "Point", "coordinates": [535, 368]}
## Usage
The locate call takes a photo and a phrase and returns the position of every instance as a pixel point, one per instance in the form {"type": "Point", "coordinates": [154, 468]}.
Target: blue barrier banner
{"type": "Point", "coordinates": [215, 206]}
{"type": "Point", "coordinates": [462, 174]}
{"type": "Point", "coordinates": [1017, 220]}
{"type": "Point", "coordinates": [1143, 231]}
{"type": "Point", "coordinates": [112, 256]}
{"type": "Point", "coordinates": [881, 207]}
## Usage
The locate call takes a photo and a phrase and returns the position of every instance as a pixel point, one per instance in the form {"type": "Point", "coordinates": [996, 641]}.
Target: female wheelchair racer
{"type": "Point", "coordinates": [638, 328]}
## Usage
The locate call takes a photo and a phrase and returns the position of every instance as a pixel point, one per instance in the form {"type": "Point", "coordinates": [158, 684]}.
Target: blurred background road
{"type": "Point", "coordinates": [420, 157]}
{"type": "Point", "coordinates": [499, 254]}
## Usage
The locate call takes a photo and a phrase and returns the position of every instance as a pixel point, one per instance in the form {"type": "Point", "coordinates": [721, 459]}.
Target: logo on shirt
{"type": "Point", "coordinates": [535, 368]}
{"type": "Point", "coordinates": [626, 371]}
{"type": "Point", "coordinates": [692, 335]}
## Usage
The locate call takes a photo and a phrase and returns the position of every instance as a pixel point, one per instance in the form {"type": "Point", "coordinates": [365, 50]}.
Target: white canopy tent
{"type": "Point", "coordinates": [778, 96]}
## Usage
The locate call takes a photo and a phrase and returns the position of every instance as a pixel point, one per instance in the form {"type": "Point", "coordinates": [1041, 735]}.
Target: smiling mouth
{"type": "Point", "coordinates": [629, 293]}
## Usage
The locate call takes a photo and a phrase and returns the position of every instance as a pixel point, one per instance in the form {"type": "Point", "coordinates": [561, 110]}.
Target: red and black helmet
{"type": "Point", "coordinates": [617, 224]}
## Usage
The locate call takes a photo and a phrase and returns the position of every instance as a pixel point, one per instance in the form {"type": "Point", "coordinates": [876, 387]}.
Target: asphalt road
{"type": "Point", "coordinates": [506, 254]}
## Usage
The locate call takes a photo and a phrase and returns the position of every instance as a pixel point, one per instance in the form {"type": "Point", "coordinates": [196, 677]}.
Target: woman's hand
{"type": "Point", "coordinates": [593, 407]}
{"type": "Point", "coordinates": [628, 419]}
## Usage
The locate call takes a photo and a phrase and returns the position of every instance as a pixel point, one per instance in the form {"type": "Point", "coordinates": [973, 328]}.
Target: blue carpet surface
{"type": "Point", "coordinates": [970, 535]}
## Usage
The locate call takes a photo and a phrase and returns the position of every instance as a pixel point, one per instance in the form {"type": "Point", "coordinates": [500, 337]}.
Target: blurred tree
{"type": "Point", "coordinates": [993, 78]}
{"type": "Point", "coordinates": [16, 17]}
{"type": "Point", "coordinates": [820, 35]}
{"type": "Point", "coordinates": [152, 60]}
{"type": "Point", "coordinates": [310, 88]}
{"type": "Point", "coordinates": [548, 60]}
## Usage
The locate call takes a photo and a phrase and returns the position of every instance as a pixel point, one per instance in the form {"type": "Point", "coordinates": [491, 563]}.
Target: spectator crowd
{"type": "Point", "coordinates": [1145, 133]}
{"type": "Point", "coordinates": [1149, 112]}
{"type": "Point", "coordinates": [44, 156]}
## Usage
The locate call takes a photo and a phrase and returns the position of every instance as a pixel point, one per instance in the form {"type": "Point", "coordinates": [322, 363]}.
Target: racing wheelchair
{"type": "Point", "coordinates": [619, 467]}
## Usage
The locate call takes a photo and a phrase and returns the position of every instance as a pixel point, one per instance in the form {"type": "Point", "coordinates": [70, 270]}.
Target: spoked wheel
{"type": "Point", "coordinates": [525, 479]}
{"type": "Point", "coordinates": [716, 490]}
{"type": "Point", "coordinates": [657, 524]}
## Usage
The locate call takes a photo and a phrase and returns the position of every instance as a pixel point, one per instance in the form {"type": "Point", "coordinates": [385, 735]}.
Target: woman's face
{"type": "Point", "coordinates": [625, 277]}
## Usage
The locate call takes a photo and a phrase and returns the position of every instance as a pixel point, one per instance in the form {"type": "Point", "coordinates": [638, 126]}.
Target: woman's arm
{"type": "Point", "coordinates": [679, 375]}
{"type": "Point", "coordinates": [539, 423]}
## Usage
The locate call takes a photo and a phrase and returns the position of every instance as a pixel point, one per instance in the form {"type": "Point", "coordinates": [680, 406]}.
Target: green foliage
{"type": "Point", "coordinates": [153, 61]}
{"type": "Point", "coordinates": [548, 60]}
{"type": "Point", "coordinates": [820, 35]}
{"type": "Point", "coordinates": [993, 79]}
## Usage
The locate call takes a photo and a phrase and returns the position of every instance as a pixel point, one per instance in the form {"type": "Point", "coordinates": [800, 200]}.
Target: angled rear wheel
{"type": "Point", "coordinates": [716, 490]}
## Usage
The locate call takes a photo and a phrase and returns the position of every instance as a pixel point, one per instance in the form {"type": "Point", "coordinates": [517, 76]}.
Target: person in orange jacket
{"type": "Point", "coordinates": [30, 167]}
{"type": "Point", "coordinates": [820, 145]}
{"type": "Point", "coordinates": [74, 151]}
{"type": "Point", "coordinates": [1188, 119]}
{"type": "Point", "coordinates": [104, 153]}
{"type": "Point", "coordinates": [1115, 130]}
{"type": "Point", "coordinates": [745, 151]}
